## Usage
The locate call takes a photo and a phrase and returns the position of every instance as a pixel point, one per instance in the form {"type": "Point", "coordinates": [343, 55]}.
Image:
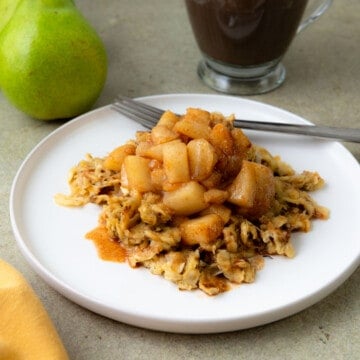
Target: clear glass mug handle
{"type": "Point", "coordinates": [319, 10]}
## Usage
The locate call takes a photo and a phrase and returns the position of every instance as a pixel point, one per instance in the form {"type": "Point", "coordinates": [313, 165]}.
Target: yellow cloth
{"type": "Point", "coordinates": [26, 331]}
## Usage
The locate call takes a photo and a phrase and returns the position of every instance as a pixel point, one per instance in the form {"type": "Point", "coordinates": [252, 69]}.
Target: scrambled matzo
{"type": "Point", "coordinates": [195, 201]}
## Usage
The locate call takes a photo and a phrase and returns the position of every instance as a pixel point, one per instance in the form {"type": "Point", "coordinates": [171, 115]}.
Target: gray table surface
{"type": "Point", "coordinates": [151, 50]}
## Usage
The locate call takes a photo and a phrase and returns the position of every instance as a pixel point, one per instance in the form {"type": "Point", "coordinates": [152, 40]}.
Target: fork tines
{"type": "Point", "coordinates": [146, 115]}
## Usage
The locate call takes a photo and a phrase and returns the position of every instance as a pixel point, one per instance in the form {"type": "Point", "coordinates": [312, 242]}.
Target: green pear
{"type": "Point", "coordinates": [53, 64]}
{"type": "Point", "coordinates": [7, 8]}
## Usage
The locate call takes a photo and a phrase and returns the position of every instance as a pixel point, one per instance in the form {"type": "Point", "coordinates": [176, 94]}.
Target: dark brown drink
{"type": "Point", "coordinates": [245, 32]}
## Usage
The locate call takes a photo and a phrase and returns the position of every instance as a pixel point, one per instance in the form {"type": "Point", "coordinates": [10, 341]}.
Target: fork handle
{"type": "Point", "coordinates": [346, 134]}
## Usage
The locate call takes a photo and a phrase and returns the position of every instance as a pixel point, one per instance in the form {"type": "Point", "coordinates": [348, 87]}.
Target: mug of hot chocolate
{"type": "Point", "coordinates": [243, 41]}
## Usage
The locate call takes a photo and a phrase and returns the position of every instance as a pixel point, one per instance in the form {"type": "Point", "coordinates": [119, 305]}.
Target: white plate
{"type": "Point", "coordinates": [52, 237]}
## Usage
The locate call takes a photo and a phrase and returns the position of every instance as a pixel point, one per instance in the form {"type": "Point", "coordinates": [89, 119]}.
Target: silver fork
{"type": "Point", "coordinates": [148, 116]}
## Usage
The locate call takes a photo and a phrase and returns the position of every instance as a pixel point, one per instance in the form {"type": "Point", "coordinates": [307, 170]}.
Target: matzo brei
{"type": "Point", "coordinates": [195, 201]}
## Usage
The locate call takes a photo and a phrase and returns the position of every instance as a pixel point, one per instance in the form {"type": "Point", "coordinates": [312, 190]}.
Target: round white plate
{"type": "Point", "coordinates": [52, 237]}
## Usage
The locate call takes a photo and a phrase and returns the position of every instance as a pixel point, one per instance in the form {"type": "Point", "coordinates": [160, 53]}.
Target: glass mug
{"type": "Point", "coordinates": [243, 41]}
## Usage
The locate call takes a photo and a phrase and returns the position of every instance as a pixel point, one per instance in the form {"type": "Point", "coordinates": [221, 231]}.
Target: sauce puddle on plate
{"type": "Point", "coordinates": [107, 249]}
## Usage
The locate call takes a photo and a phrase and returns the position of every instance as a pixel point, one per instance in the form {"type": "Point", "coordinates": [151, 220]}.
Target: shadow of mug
{"type": "Point", "coordinates": [243, 41]}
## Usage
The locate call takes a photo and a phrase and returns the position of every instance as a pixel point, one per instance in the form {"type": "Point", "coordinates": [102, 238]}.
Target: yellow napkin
{"type": "Point", "coordinates": [26, 331]}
